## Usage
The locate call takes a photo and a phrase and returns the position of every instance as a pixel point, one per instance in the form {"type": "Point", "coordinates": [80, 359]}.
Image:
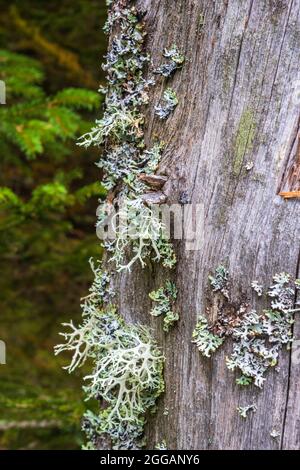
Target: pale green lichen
{"type": "Point", "coordinates": [206, 341]}
{"type": "Point", "coordinates": [164, 299]}
{"type": "Point", "coordinates": [128, 366]}
{"type": "Point", "coordinates": [176, 60]}
{"type": "Point", "coordinates": [161, 445]}
{"type": "Point", "coordinates": [243, 142]}
{"type": "Point", "coordinates": [127, 376]}
{"type": "Point", "coordinates": [219, 281]}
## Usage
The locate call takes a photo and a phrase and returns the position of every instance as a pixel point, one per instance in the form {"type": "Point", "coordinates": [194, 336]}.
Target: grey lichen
{"type": "Point", "coordinates": [244, 410]}
{"type": "Point", "coordinates": [164, 299]}
{"type": "Point", "coordinates": [258, 288]}
{"type": "Point", "coordinates": [170, 101]}
{"type": "Point", "coordinates": [258, 338]}
{"type": "Point", "coordinates": [176, 60]}
{"type": "Point", "coordinates": [219, 281]}
{"type": "Point", "coordinates": [161, 445]}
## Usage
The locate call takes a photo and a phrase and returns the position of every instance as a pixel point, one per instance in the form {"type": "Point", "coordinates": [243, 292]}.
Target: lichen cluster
{"type": "Point", "coordinates": [168, 105]}
{"type": "Point", "coordinates": [258, 337]}
{"type": "Point", "coordinates": [206, 341]}
{"type": "Point", "coordinates": [120, 133]}
{"type": "Point", "coordinates": [175, 61]}
{"type": "Point", "coordinates": [164, 299]}
{"type": "Point", "coordinates": [127, 375]}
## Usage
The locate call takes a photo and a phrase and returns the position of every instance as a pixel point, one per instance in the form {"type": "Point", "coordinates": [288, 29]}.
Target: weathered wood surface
{"type": "Point", "coordinates": [238, 102]}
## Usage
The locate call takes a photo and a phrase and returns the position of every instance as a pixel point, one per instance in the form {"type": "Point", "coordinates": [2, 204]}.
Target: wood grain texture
{"type": "Point", "coordinates": [237, 103]}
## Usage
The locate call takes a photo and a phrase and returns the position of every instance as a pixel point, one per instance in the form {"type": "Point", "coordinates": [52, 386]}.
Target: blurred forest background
{"type": "Point", "coordinates": [50, 56]}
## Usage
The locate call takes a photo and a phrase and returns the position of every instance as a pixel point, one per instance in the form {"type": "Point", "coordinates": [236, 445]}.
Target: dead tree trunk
{"type": "Point", "coordinates": [238, 103]}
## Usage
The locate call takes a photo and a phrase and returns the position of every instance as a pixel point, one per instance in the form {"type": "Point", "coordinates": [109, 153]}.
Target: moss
{"type": "Point", "coordinates": [243, 142]}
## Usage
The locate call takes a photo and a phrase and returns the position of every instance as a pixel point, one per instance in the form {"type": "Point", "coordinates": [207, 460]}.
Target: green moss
{"type": "Point", "coordinates": [243, 142]}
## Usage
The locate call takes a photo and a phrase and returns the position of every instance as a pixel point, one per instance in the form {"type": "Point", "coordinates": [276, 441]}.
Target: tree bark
{"type": "Point", "coordinates": [238, 103]}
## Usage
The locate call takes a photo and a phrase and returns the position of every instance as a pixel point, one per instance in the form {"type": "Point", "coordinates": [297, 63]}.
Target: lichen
{"type": "Point", "coordinates": [128, 365]}
{"type": "Point", "coordinates": [170, 102]}
{"type": "Point", "coordinates": [206, 341]}
{"type": "Point", "coordinates": [161, 445]}
{"type": "Point", "coordinates": [164, 299]}
{"type": "Point", "coordinates": [258, 288]}
{"type": "Point", "coordinates": [258, 338]}
{"type": "Point", "coordinates": [243, 142]}
{"type": "Point", "coordinates": [219, 282]}
{"type": "Point", "coordinates": [244, 410]}
{"type": "Point", "coordinates": [176, 60]}
{"type": "Point", "coordinates": [127, 375]}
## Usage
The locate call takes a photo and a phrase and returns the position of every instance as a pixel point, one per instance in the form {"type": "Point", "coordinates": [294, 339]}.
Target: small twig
{"type": "Point", "coordinates": [290, 194]}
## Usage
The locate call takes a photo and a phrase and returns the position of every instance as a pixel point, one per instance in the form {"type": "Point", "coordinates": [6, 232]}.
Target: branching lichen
{"type": "Point", "coordinates": [164, 299]}
{"type": "Point", "coordinates": [127, 375]}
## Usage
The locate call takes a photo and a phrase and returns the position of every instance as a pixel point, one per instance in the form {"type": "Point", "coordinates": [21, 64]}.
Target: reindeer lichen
{"type": "Point", "coordinates": [128, 365]}
{"type": "Point", "coordinates": [164, 299]}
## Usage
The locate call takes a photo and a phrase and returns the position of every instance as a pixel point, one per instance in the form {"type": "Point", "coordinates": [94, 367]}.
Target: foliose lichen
{"type": "Point", "coordinates": [219, 281]}
{"type": "Point", "coordinates": [164, 299]}
{"type": "Point", "coordinates": [244, 410]}
{"type": "Point", "coordinates": [161, 445]}
{"type": "Point", "coordinates": [206, 341]}
{"type": "Point", "coordinates": [258, 338]}
{"type": "Point", "coordinates": [176, 61]}
{"type": "Point", "coordinates": [170, 101]}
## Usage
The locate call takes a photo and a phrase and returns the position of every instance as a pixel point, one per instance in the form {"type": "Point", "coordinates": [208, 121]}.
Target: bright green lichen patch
{"type": "Point", "coordinates": [243, 142]}
{"type": "Point", "coordinates": [164, 299]}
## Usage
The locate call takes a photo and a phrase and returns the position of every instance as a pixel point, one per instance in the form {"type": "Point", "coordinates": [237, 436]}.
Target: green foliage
{"type": "Point", "coordinates": [35, 121]}
{"type": "Point", "coordinates": [45, 239]}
